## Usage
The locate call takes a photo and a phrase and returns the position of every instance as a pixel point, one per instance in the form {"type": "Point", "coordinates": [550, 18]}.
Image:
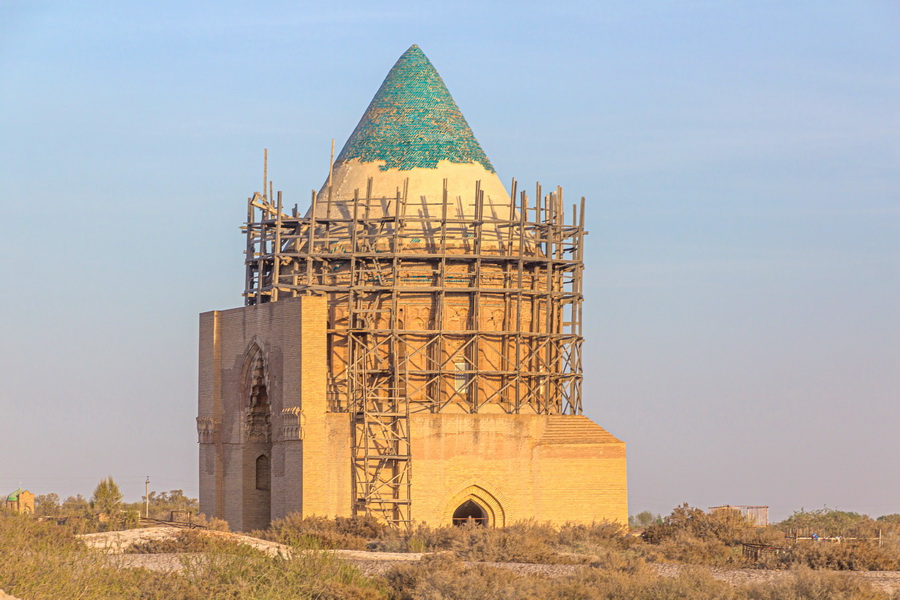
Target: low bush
{"type": "Point", "coordinates": [844, 556]}
{"type": "Point", "coordinates": [806, 584]}
{"type": "Point", "coordinates": [693, 551]}
{"type": "Point", "coordinates": [191, 541]}
{"type": "Point", "coordinates": [353, 533]}
{"type": "Point", "coordinates": [526, 541]}
{"type": "Point", "coordinates": [726, 526]}
{"type": "Point", "coordinates": [523, 542]}
{"type": "Point", "coordinates": [445, 577]}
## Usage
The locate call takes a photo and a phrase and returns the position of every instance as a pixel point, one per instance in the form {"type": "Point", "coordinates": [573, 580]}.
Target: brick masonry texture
{"type": "Point", "coordinates": [548, 468]}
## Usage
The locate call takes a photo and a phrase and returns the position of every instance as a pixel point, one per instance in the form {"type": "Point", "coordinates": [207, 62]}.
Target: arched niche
{"type": "Point", "coordinates": [263, 473]}
{"type": "Point", "coordinates": [256, 479]}
{"type": "Point", "coordinates": [257, 408]}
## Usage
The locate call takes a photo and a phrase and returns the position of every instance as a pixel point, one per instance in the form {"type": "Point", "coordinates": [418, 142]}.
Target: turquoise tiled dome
{"type": "Point", "coordinates": [413, 122]}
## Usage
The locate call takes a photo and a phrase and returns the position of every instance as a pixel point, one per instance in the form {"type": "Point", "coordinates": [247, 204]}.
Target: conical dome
{"type": "Point", "coordinates": [413, 122]}
{"type": "Point", "coordinates": [413, 133]}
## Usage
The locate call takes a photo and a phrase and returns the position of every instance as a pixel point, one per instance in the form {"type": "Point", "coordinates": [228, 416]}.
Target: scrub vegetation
{"type": "Point", "coordinates": [44, 561]}
{"type": "Point", "coordinates": [676, 556]}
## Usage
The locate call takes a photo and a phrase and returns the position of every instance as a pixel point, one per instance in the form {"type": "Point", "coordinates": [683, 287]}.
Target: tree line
{"type": "Point", "coordinates": [106, 510]}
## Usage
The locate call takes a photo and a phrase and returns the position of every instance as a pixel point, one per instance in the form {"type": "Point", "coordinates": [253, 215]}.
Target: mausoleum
{"type": "Point", "coordinates": [410, 342]}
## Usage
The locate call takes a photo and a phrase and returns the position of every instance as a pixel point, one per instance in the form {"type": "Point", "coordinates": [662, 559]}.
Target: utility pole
{"type": "Point", "coordinates": [147, 498]}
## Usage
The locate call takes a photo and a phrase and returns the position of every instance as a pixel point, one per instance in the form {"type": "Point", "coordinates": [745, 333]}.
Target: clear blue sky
{"type": "Point", "coordinates": [741, 166]}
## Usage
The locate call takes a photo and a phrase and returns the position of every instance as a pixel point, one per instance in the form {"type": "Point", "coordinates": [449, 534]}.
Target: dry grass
{"type": "Point", "coordinates": [352, 533]}
{"type": "Point", "coordinates": [522, 542]}
{"type": "Point", "coordinates": [844, 556]}
{"type": "Point", "coordinates": [447, 578]}
{"type": "Point", "coordinates": [806, 584]}
{"type": "Point", "coordinates": [47, 562]}
{"type": "Point", "coordinates": [692, 536]}
{"type": "Point", "coordinates": [44, 561]}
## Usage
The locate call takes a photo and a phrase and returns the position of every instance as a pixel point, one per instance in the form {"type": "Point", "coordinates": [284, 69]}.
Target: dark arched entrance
{"type": "Point", "coordinates": [470, 510]}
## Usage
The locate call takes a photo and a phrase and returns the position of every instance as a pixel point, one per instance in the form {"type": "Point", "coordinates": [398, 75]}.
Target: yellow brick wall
{"type": "Point", "coordinates": [547, 468]}
{"type": "Point", "coordinates": [504, 461]}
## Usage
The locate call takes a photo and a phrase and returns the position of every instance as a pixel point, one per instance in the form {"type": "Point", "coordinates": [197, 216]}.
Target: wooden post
{"type": "Point", "coordinates": [330, 176]}
{"type": "Point", "coordinates": [276, 251]}
{"type": "Point", "coordinates": [249, 297]}
{"type": "Point", "coordinates": [475, 363]}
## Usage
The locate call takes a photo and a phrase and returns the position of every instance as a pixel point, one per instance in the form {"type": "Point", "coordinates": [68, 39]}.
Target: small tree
{"type": "Point", "coordinates": [75, 506]}
{"type": "Point", "coordinates": [46, 504]}
{"type": "Point", "coordinates": [644, 519]}
{"type": "Point", "coordinates": [107, 498]}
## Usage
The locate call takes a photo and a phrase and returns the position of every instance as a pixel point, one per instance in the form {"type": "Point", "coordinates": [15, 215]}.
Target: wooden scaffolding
{"type": "Point", "coordinates": [393, 276]}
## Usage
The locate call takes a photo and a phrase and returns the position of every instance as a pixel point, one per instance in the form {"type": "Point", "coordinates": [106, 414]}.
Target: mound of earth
{"type": "Point", "coordinates": [118, 542]}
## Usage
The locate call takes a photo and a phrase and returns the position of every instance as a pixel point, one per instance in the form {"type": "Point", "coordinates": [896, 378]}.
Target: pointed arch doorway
{"type": "Point", "coordinates": [470, 512]}
{"type": "Point", "coordinates": [476, 503]}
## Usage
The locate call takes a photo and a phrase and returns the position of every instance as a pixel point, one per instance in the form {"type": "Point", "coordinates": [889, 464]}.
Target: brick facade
{"type": "Point", "coordinates": [556, 468]}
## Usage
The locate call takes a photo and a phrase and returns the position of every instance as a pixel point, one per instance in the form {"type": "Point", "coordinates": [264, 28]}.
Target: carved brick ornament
{"type": "Point", "coordinates": [207, 428]}
{"type": "Point", "coordinates": [292, 420]}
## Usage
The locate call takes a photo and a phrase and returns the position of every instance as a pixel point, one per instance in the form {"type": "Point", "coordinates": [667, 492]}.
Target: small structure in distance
{"type": "Point", "coordinates": [20, 501]}
{"type": "Point", "coordinates": [758, 515]}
